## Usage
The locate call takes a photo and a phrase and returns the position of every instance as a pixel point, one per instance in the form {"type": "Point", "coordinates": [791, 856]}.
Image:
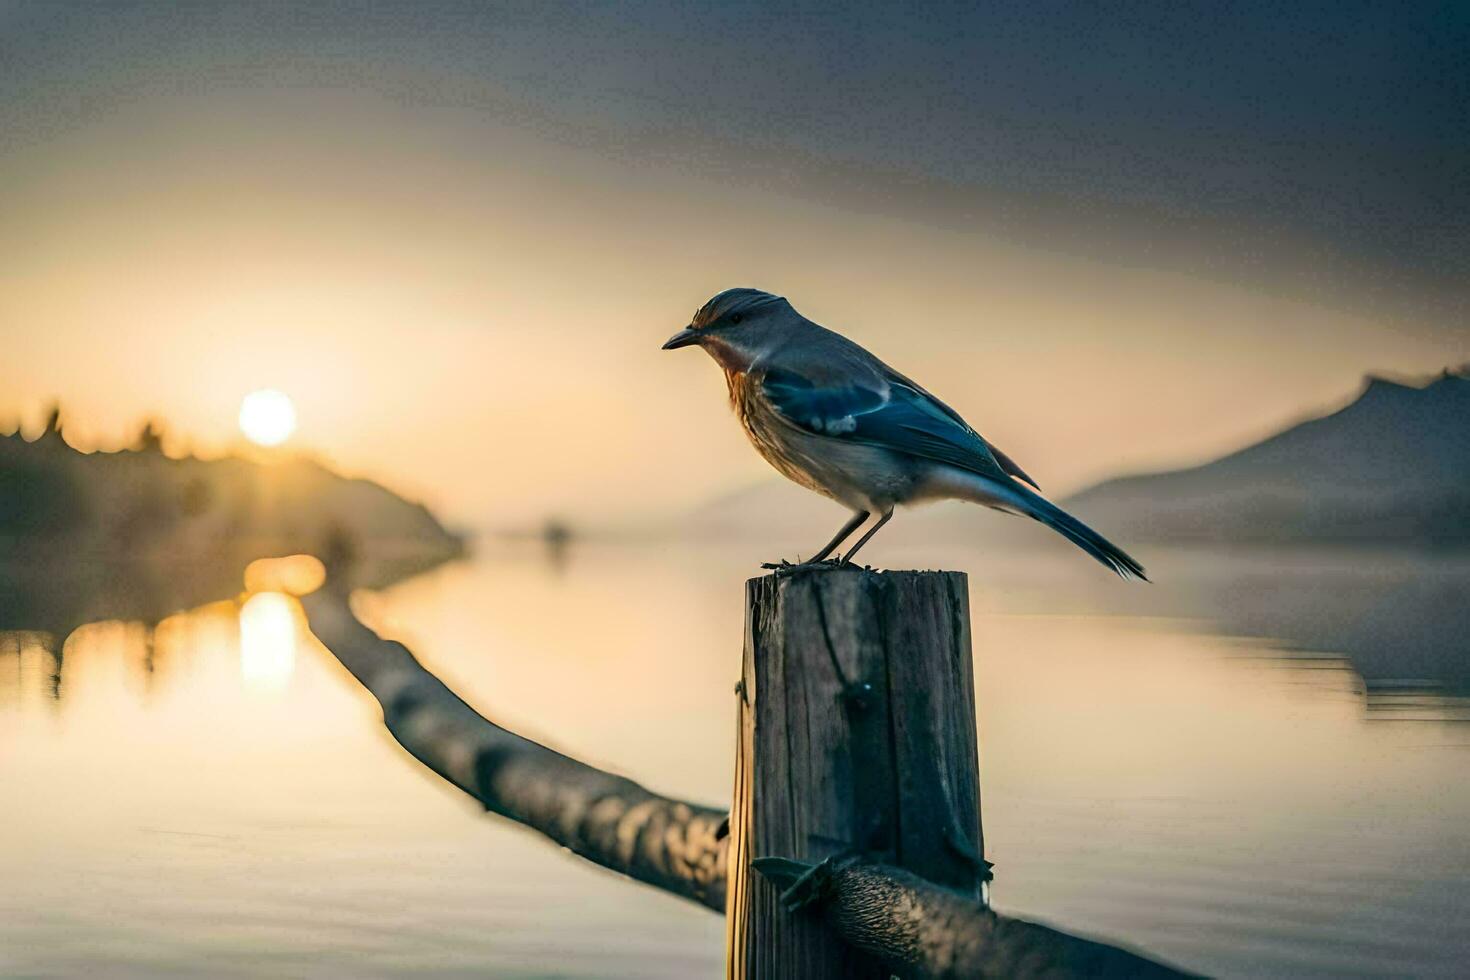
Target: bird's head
{"type": "Point", "coordinates": [737, 326]}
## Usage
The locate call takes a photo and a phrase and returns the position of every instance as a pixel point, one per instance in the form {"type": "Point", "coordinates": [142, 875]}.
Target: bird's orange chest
{"type": "Point", "coordinates": [754, 413]}
{"type": "Point", "coordinates": [741, 394]}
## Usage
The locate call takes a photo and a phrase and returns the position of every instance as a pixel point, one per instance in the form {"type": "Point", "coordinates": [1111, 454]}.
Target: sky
{"type": "Point", "coordinates": [1115, 237]}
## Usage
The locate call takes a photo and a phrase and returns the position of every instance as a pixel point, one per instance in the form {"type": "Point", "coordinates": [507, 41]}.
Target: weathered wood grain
{"type": "Point", "coordinates": [856, 736]}
{"type": "Point", "coordinates": [925, 932]}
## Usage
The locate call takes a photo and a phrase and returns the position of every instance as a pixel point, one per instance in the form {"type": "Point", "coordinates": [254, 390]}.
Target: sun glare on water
{"type": "Point", "coordinates": [267, 417]}
{"type": "Point", "coordinates": [267, 641]}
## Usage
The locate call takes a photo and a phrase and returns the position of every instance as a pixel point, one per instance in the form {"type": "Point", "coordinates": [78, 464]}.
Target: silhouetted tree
{"type": "Point", "coordinates": [51, 432]}
{"type": "Point", "coordinates": [150, 439]}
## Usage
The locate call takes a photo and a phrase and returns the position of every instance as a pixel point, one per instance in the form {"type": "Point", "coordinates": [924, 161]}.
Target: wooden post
{"type": "Point", "coordinates": [856, 735]}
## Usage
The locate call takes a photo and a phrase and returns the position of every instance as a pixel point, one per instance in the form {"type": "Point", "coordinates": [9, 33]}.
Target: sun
{"type": "Point", "coordinates": [267, 417]}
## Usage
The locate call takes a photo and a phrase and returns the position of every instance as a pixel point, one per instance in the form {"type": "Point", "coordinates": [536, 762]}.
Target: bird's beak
{"type": "Point", "coordinates": [683, 338]}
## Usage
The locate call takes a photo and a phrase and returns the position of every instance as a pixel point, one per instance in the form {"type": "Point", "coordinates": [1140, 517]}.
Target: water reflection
{"type": "Point", "coordinates": [1391, 620]}
{"type": "Point", "coordinates": [264, 633]}
{"type": "Point", "coordinates": [1226, 788]}
{"type": "Point", "coordinates": [268, 641]}
{"type": "Point", "coordinates": [1415, 702]}
{"type": "Point", "coordinates": [41, 591]}
{"type": "Point", "coordinates": [1395, 620]}
{"type": "Point", "coordinates": [29, 667]}
{"type": "Point", "coordinates": [1396, 615]}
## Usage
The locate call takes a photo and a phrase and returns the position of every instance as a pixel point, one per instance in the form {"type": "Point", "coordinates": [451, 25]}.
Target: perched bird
{"type": "Point", "coordinates": [835, 419]}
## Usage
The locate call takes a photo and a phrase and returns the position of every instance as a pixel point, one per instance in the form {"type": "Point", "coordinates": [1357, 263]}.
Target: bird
{"type": "Point", "coordinates": [832, 417]}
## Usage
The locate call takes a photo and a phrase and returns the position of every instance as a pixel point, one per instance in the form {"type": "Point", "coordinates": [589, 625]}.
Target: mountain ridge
{"type": "Point", "coordinates": [1393, 464]}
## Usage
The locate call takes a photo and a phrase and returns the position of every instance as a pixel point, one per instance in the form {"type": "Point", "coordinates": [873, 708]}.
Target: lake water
{"type": "Point", "coordinates": [216, 796]}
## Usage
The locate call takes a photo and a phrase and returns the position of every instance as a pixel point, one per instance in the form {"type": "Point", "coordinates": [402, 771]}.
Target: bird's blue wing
{"type": "Point", "coordinates": [904, 419]}
{"type": "Point", "coordinates": [823, 409]}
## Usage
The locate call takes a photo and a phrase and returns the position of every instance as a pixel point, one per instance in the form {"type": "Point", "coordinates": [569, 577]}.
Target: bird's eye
{"type": "Point", "coordinates": [736, 318]}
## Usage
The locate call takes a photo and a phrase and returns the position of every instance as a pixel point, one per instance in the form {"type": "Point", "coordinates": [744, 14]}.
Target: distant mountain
{"type": "Point", "coordinates": [137, 534]}
{"type": "Point", "coordinates": [1393, 466]}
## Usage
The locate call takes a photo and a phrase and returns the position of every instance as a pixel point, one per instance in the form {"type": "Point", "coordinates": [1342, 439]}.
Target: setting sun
{"type": "Point", "coordinates": [267, 417]}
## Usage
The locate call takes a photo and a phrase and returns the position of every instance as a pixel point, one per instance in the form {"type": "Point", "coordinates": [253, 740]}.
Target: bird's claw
{"type": "Point", "coordinates": [784, 567]}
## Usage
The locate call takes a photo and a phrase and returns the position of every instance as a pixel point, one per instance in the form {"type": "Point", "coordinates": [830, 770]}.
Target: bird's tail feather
{"type": "Point", "coordinates": [1082, 536]}
{"type": "Point", "coordinates": [1016, 498]}
{"type": "Point", "coordinates": [1037, 507]}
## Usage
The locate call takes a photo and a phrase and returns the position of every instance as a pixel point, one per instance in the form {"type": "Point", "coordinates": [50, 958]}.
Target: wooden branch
{"type": "Point", "coordinates": [607, 819]}
{"type": "Point", "coordinates": [925, 932]}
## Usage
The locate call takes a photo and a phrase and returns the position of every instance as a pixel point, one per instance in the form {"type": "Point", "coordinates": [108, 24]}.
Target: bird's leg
{"type": "Point", "coordinates": [841, 536]}
{"type": "Point", "coordinates": [847, 558]}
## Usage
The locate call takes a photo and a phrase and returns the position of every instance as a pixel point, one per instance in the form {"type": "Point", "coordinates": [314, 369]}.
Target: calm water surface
{"type": "Point", "coordinates": [215, 796]}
